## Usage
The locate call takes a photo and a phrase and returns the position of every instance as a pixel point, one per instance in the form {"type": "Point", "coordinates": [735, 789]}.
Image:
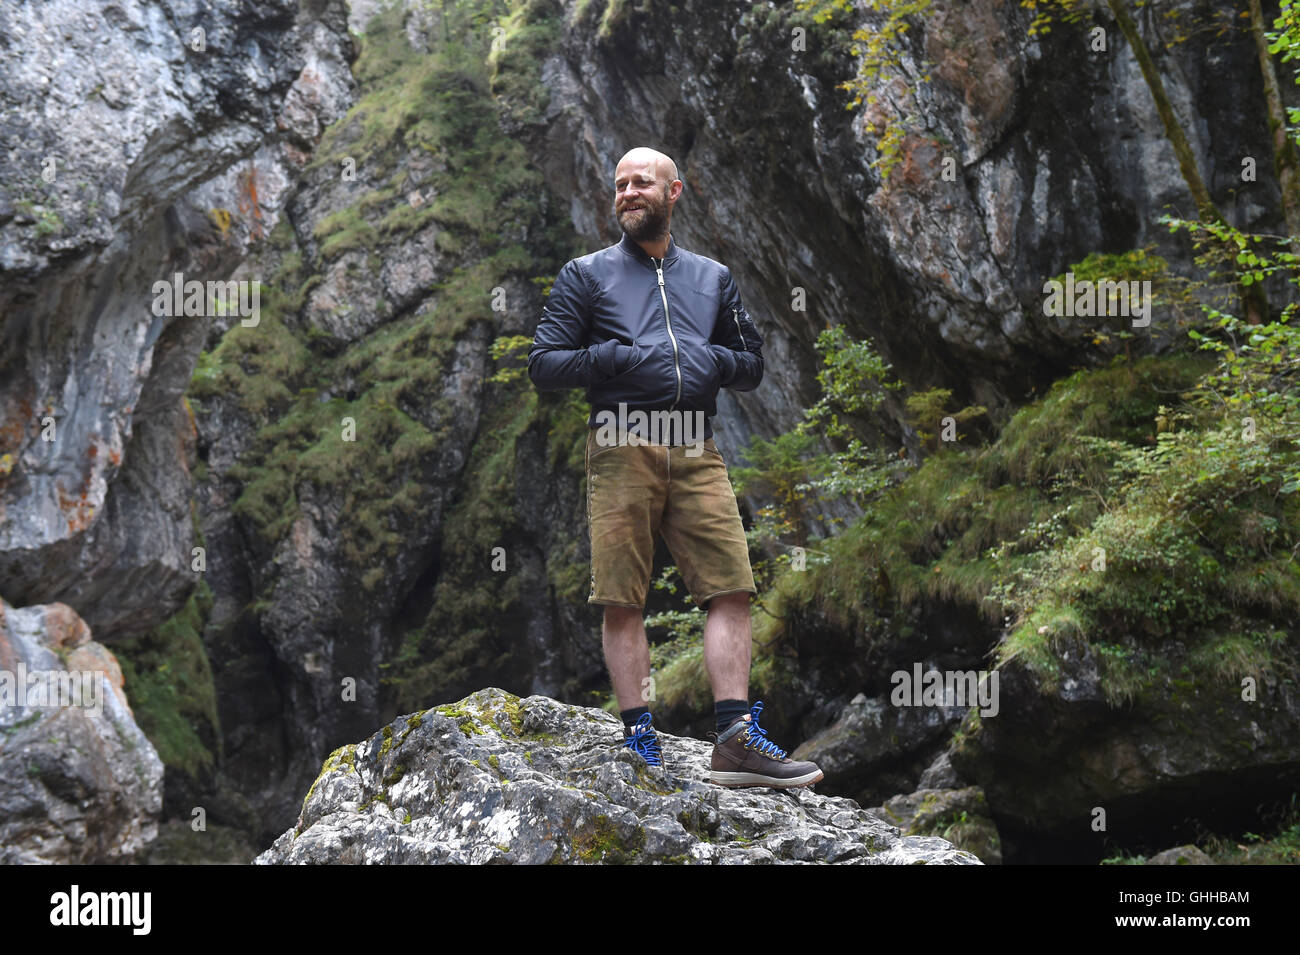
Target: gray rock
{"type": "Point", "coordinates": [499, 779]}
{"type": "Point", "coordinates": [960, 816]}
{"type": "Point", "coordinates": [876, 746]}
{"type": "Point", "coordinates": [1180, 855]}
{"type": "Point", "coordinates": [939, 774]}
{"type": "Point", "coordinates": [79, 782]}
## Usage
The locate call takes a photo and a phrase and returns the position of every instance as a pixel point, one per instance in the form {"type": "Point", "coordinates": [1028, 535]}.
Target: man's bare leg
{"type": "Point", "coordinates": [727, 646]}
{"type": "Point", "coordinates": [627, 654]}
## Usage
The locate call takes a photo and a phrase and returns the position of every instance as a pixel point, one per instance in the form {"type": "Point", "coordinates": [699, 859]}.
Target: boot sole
{"type": "Point", "coordinates": [746, 780]}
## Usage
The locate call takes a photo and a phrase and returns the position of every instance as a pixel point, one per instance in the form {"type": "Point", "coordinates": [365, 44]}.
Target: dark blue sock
{"type": "Point", "coordinates": [631, 716]}
{"type": "Point", "coordinates": [728, 711]}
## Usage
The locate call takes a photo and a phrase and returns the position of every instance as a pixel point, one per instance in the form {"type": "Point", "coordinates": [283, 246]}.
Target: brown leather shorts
{"type": "Point", "coordinates": [636, 491]}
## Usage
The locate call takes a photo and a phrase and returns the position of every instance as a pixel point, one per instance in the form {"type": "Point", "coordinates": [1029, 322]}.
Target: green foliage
{"type": "Point", "coordinates": [344, 231]}
{"type": "Point", "coordinates": [529, 36]}
{"type": "Point", "coordinates": [928, 411]}
{"type": "Point", "coordinates": [854, 381]}
{"type": "Point", "coordinates": [794, 481]}
{"type": "Point", "coordinates": [1286, 40]}
{"type": "Point", "coordinates": [1200, 524]}
{"type": "Point", "coordinates": [853, 378]}
{"type": "Point", "coordinates": [49, 223]}
{"type": "Point", "coordinates": [510, 348]}
{"type": "Point", "coordinates": [169, 682]}
{"type": "Point", "coordinates": [677, 660]}
{"type": "Point", "coordinates": [1134, 265]}
{"type": "Point", "coordinates": [798, 485]}
{"type": "Point", "coordinates": [880, 67]}
{"type": "Point", "coordinates": [1046, 12]}
{"type": "Point", "coordinates": [1198, 538]}
{"type": "Point", "coordinates": [1229, 256]}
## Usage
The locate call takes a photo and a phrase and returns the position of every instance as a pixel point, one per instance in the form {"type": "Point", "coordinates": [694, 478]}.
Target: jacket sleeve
{"type": "Point", "coordinates": [735, 341]}
{"type": "Point", "coordinates": [560, 356]}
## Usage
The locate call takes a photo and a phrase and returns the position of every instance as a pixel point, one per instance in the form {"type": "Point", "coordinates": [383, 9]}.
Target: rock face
{"type": "Point", "coordinates": [138, 140]}
{"type": "Point", "coordinates": [498, 779]}
{"type": "Point", "coordinates": [79, 782]}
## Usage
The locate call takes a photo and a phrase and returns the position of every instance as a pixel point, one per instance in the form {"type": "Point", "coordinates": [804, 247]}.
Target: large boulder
{"type": "Point", "coordinates": [495, 778]}
{"type": "Point", "coordinates": [79, 782]}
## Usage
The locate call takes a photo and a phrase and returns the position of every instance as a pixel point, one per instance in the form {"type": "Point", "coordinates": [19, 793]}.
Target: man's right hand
{"type": "Point", "coordinates": [610, 358]}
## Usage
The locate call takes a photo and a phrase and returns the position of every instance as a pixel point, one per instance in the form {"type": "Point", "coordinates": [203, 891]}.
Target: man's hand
{"type": "Point", "coordinates": [725, 359]}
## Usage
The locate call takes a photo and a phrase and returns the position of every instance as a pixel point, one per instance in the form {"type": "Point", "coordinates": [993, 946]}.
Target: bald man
{"type": "Point", "coordinates": [652, 331]}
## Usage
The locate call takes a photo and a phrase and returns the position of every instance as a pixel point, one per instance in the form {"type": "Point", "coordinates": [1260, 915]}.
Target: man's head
{"type": "Point", "coordinates": [645, 189]}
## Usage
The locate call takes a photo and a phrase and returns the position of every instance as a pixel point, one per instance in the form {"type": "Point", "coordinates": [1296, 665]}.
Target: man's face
{"type": "Point", "coordinates": [641, 202]}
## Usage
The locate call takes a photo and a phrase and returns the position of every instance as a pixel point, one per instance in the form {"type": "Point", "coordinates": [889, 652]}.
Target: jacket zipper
{"type": "Point", "coordinates": [735, 313]}
{"type": "Point", "coordinates": [668, 321]}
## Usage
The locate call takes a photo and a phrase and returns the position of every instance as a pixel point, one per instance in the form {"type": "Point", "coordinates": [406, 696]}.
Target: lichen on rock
{"type": "Point", "coordinates": [498, 779]}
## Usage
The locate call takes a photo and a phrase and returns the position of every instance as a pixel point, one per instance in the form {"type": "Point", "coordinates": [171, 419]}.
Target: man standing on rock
{"type": "Point", "coordinates": [652, 331]}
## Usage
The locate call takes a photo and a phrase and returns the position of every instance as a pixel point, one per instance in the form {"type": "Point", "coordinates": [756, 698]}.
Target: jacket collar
{"type": "Point", "coordinates": [628, 245]}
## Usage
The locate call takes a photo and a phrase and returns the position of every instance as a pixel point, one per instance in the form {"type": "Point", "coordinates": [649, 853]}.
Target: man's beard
{"type": "Point", "coordinates": [652, 223]}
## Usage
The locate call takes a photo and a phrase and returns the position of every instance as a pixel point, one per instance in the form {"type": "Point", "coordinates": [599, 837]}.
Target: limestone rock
{"type": "Point", "coordinates": [498, 779]}
{"type": "Point", "coordinates": [960, 816]}
{"type": "Point", "coordinates": [79, 782]}
{"type": "Point", "coordinates": [875, 748]}
{"type": "Point", "coordinates": [1181, 855]}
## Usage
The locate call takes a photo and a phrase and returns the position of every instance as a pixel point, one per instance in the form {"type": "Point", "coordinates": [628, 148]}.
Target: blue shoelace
{"type": "Point", "coordinates": [644, 741]}
{"type": "Point", "coordinates": [758, 736]}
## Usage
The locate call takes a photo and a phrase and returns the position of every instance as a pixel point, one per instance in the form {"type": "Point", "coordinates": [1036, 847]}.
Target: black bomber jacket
{"type": "Point", "coordinates": [655, 334]}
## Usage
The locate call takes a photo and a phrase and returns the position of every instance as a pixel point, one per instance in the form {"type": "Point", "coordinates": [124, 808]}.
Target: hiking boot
{"type": "Point", "coordinates": [744, 756]}
{"type": "Point", "coordinates": [642, 739]}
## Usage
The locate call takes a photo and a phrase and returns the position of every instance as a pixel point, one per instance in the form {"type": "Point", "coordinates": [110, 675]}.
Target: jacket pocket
{"type": "Point", "coordinates": [701, 376]}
